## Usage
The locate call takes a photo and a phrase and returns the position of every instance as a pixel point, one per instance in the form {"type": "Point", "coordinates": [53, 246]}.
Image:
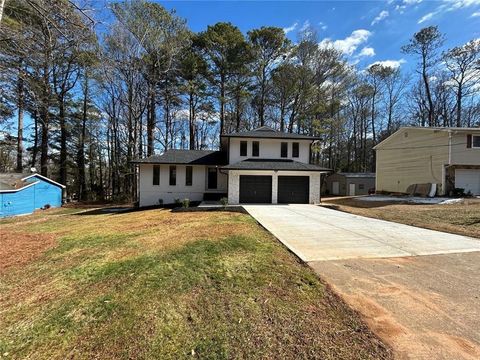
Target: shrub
{"type": "Point", "coordinates": [177, 202]}
{"type": "Point", "coordinates": [224, 201]}
{"type": "Point", "coordinates": [186, 203]}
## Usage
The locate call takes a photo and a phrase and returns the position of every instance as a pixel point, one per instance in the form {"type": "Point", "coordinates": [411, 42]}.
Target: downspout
{"type": "Point", "coordinates": [445, 168]}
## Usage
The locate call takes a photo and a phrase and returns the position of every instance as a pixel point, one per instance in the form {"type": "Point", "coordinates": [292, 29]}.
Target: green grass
{"type": "Point", "coordinates": [157, 285]}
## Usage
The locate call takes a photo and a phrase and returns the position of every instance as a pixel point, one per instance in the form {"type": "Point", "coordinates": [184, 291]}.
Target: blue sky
{"type": "Point", "coordinates": [367, 31]}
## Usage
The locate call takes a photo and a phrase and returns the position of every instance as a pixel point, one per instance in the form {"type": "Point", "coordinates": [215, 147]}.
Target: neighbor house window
{"type": "Point", "coordinates": [255, 148]}
{"type": "Point", "coordinates": [295, 149]}
{"type": "Point", "coordinates": [212, 178]}
{"type": "Point", "coordinates": [243, 148]}
{"type": "Point", "coordinates": [476, 141]}
{"type": "Point", "coordinates": [188, 176]}
{"type": "Point", "coordinates": [284, 150]}
{"type": "Point", "coordinates": [173, 175]}
{"type": "Point", "coordinates": [156, 174]}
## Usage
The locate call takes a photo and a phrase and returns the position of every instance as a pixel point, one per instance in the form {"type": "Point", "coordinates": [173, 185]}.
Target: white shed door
{"type": "Point", "coordinates": [335, 188]}
{"type": "Point", "coordinates": [468, 179]}
{"type": "Point", "coordinates": [351, 189]}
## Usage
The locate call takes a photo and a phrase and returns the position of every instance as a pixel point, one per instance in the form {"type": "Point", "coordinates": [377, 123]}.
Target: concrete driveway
{"type": "Point", "coordinates": [317, 233]}
{"type": "Point", "coordinates": [425, 307]}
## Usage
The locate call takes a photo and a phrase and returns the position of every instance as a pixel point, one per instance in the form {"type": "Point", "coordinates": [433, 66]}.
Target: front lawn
{"type": "Point", "coordinates": [155, 284]}
{"type": "Point", "coordinates": [458, 218]}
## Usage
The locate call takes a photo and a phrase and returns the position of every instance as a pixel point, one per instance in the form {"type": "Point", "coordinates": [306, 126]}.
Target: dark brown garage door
{"type": "Point", "coordinates": [255, 189]}
{"type": "Point", "coordinates": [293, 189]}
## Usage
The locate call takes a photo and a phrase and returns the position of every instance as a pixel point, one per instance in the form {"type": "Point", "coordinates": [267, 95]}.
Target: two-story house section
{"type": "Point", "coordinates": [258, 166]}
{"type": "Point", "coordinates": [448, 157]}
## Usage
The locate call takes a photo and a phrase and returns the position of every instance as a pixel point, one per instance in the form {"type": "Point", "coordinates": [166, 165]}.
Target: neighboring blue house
{"type": "Point", "coordinates": [22, 194]}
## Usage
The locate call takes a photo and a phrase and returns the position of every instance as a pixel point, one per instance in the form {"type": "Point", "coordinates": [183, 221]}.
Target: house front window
{"type": "Point", "coordinates": [255, 148]}
{"type": "Point", "coordinates": [156, 174]}
{"type": "Point", "coordinates": [295, 149]}
{"type": "Point", "coordinates": [212, 178]}
{"type": "Point", "coordinates": [243, 148]}
{"type": "Point", "coordinates": [173, 175]}
{"type": "Point", "coordinates": [188, 176]}
{"type": "Point", "coordinates": [284, 150]}
{"type": "Point", "coordinates": [476, 141]}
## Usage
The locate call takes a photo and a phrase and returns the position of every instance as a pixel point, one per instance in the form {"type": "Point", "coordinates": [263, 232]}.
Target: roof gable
{"type": "Point", "coordinates": [267, 132]}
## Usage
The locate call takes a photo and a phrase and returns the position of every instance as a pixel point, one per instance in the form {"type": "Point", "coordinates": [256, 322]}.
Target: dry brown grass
{"type": "Point", "coordinates": [155, 284]}
{"type": "Point", "coordinates": [460, 218]}
{"type": "Point", "coordinates": [18, 249]}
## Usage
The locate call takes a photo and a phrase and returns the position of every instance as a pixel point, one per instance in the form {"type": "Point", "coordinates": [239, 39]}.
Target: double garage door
{"type": "Point", "coordinates": [258, 189]}
{"type": "Point", "coordinates": [468, 179]}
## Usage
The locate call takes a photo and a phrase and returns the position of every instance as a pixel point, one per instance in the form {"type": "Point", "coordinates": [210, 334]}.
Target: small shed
{"type": "Point", "coordinates": [22, 194]}
{"type": "Point", "coordinates": [350, 184]}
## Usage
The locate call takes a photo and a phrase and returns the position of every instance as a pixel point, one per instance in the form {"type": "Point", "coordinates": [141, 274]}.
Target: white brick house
{"type": "Point", "coordinates": [258, 166]}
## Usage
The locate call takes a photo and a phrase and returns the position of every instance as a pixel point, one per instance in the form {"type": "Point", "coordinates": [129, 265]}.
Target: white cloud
{"type": "Point", "coordinates": [291, 28]}
{"type": "Point", "coordinates": [305, 26]}
{"type": "Point", "coordinates": [475, 14]}
{"type": "Point", "coordinates": [449, 5]}
{"type": "Point", "coordinates": [383, 14]}
{"type": "Point", "coordinates": [350, 43]}
{"type": "Point", "coordinates": [367, 51]}
{"type": "Point", "coordinates": [405, 3]}
{"type": "Point", "coordinates": [322, 26]}
{"type": "Point", "coordinates": [426, 17]}
{"type": "Point", "coordinates": [389, 63]}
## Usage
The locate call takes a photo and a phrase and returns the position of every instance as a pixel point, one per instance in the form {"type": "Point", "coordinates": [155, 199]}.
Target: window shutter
{"type": "Point", "coordinates": [469, 141]}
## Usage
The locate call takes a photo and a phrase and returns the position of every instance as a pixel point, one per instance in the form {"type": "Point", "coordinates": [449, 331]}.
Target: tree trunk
{"type": "Point", "coordinates": [151, 122]}
{"type": "Point", "coordinates": [20, 104]}
{"type": "Point", "coordinates": [459, 105]}
{"type": "Point", "coordinates": [82, 184]}
{"type": "Point", "coordinates": [222, 103]}
{"type": "Point", "coordinates": [63, 140]}
{"type": "Point", "coordinates": [191, 121]}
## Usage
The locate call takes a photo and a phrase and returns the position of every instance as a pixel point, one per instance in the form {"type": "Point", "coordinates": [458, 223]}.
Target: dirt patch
{"type": "Point", "coordinates": [22, 248]}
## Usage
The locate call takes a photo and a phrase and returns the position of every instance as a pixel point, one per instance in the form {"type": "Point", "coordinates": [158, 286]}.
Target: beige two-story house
{"type": "Point", "coordinates": [448, 157]}
{"type": "Point", "coordinates": [258, 166]}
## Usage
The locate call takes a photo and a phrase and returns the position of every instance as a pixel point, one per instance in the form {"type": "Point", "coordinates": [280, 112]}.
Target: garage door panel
{"type": "Point", "coordinates": [255, 189]}
{"type": "Point", "coordinates": [293, 189]}
{"type": "Point", "coordinates": [468, 179]}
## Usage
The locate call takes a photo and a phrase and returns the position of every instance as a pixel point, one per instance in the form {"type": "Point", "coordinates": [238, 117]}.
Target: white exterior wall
{"type": "Point", "coordinates": [269, 149]}
{"type": "Point", "coordinates": [234, 183]}
{"type": "Point", "coordinates": [150, 194]}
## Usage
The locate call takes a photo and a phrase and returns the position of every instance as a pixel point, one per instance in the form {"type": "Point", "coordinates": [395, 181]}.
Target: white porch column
{"type": "Point", "coordinates": [275, 187]}
{"type": "Point", "coordinates": [233, 187]}
{"type": "Point", "coordinates": [314, 188]}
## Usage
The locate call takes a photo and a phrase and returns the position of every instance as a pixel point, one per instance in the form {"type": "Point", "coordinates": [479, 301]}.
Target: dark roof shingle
{"type": "Point", "coordinates": [273, 164]}
{"type": "Point", "coordinates": [192, 157]}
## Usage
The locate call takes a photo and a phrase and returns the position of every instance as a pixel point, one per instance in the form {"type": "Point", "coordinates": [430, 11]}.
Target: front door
{"type": "Point", "coordinates": [212, 178]}
{"type": "Point", "coordinates": [351, 189]}
{"type": "Point", "coordinates": [293, 189]}
{"type": "Point", "coordinates": [255, 189]}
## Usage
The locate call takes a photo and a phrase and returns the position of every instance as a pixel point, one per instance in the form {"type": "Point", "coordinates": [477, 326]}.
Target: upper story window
{"type": "Point", "coordinates": [243, 148]}
{"type": "Point", "coordinates": [255, 148]}
{"type": "Point", "coordinates": [173, 175]}
{"type": "Point", "coordinates": [156, 175]}
{"type": "Point", "coordinates": [295, 149]}
{"type": "Point", "coordinates": [284, 150]}
{"type": "Point", "coordinates": [476, 141]}
{"type": "Point", "coordinates": [188, 176]}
